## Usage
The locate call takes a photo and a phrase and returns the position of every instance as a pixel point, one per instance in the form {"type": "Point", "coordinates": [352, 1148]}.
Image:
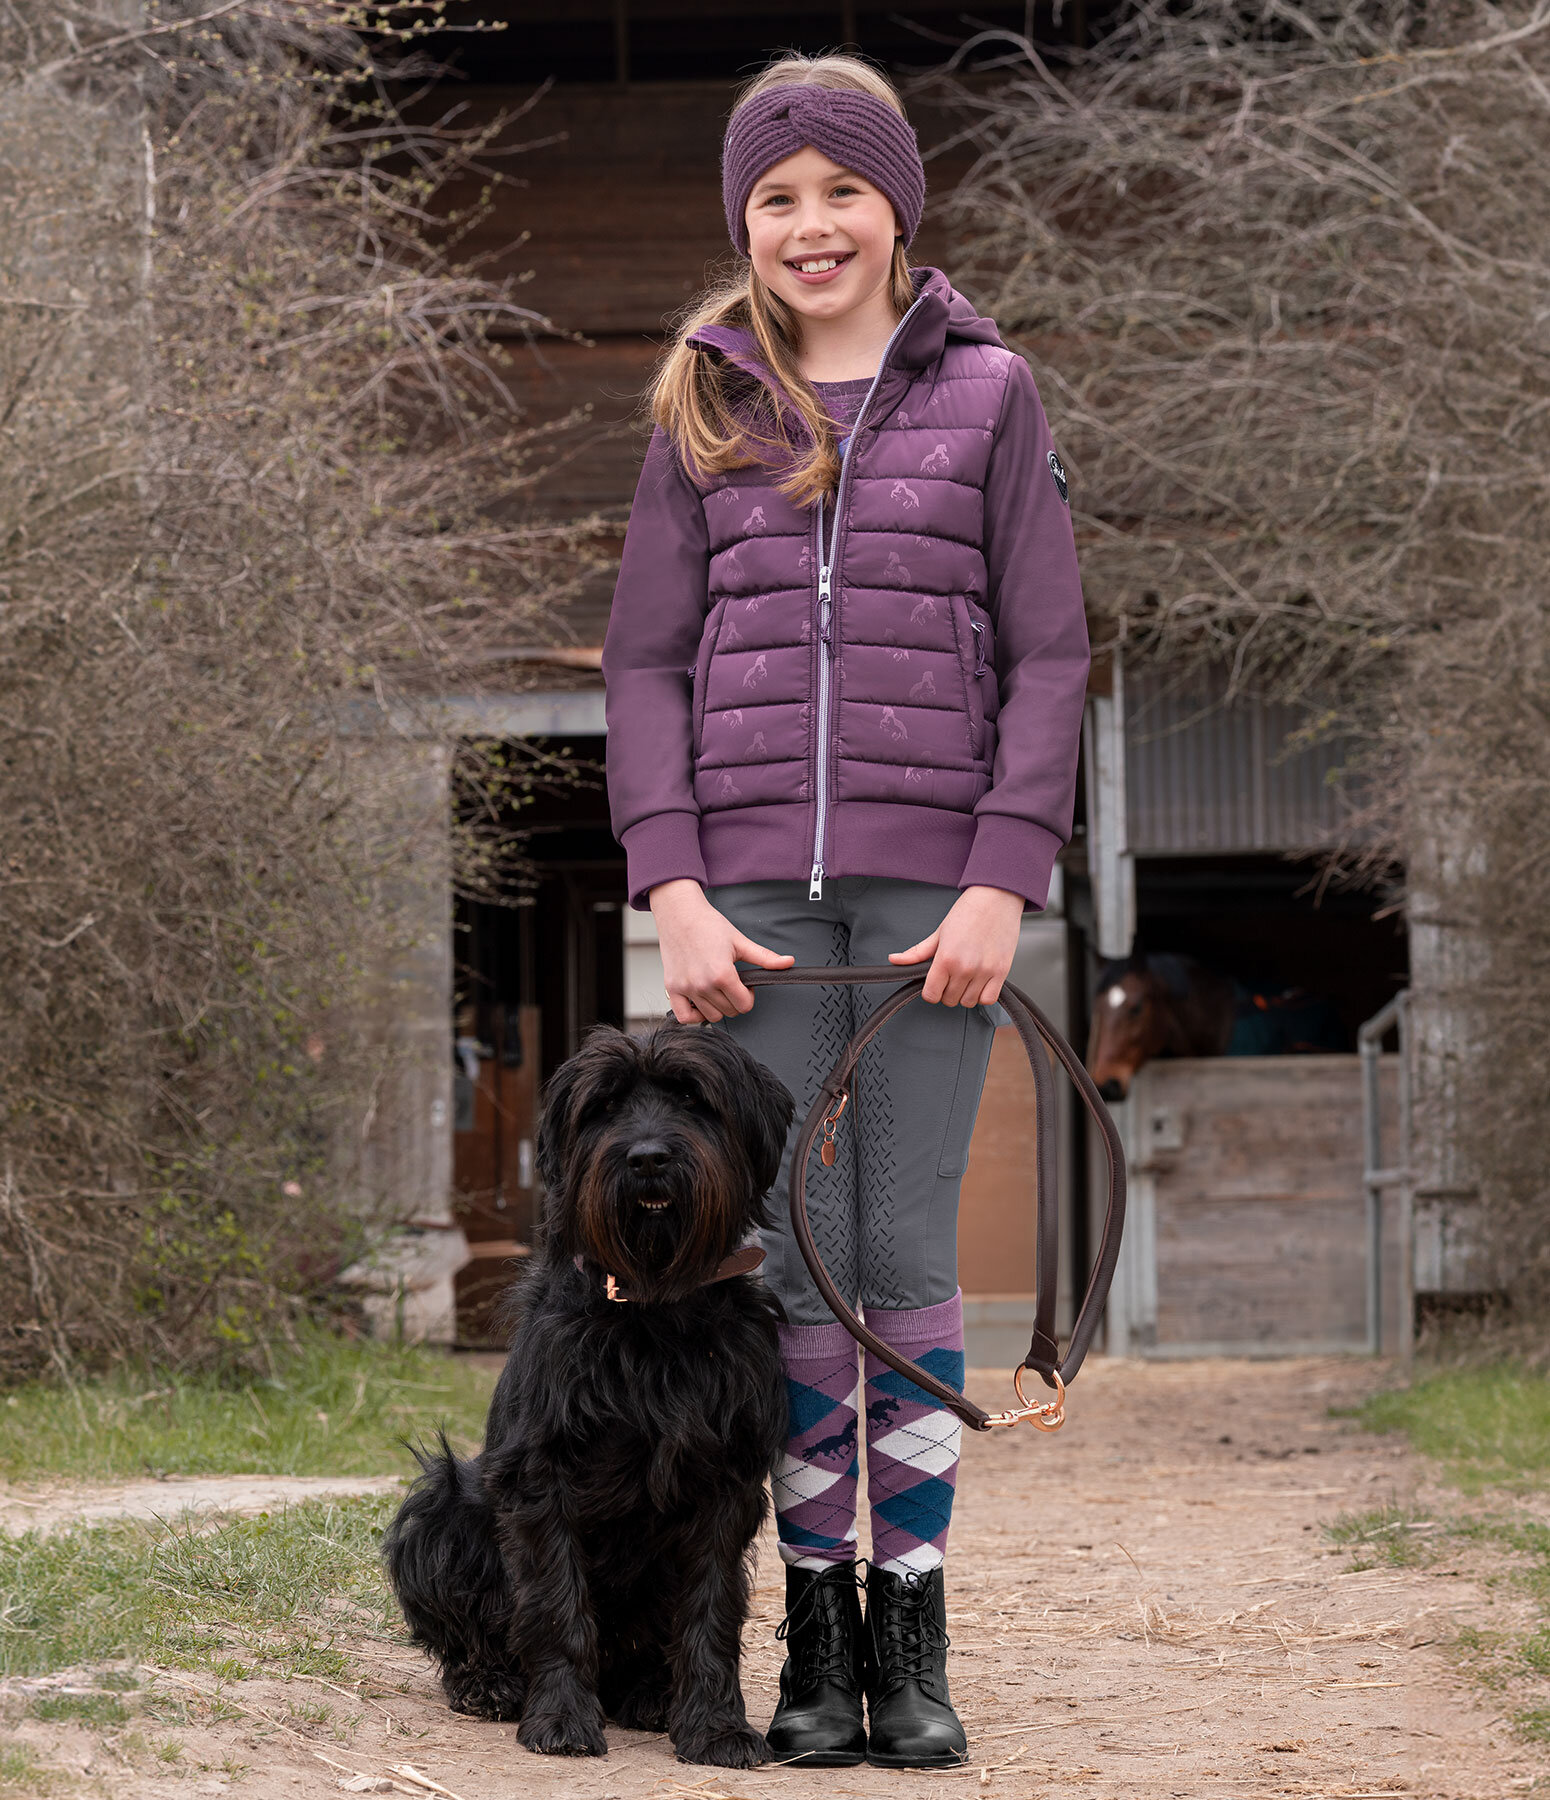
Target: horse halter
{"type": "Point", "coordinates": [1043, 1356]}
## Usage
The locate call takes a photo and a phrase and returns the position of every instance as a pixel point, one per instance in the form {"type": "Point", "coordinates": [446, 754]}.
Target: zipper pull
{"type": "Point", "coordinates": [823, 583]}
{"type": "Point", "coordinates": [694, 669]}
{"type": "Point", "coordinates": [815, 883]}
{"type": "Point", "coordinates": [979, 646]}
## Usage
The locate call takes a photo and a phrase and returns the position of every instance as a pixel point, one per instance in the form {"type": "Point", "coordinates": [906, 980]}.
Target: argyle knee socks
{"type": "Point", "coordinates": [912, 1440]}
{"type": "Point", "coordinates": [815, 1484]}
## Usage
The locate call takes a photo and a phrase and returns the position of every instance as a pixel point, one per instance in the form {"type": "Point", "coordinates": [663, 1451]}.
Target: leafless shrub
{"type": "Point", "coordinates": [261, 486]}
{"type": "Point", "coordinates": [1284, 275]}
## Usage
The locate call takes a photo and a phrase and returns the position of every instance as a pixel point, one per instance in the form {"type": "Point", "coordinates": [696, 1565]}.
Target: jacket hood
{"type": "Point", "coordinates": [962, 321]}
{"type": "Point", "coordinates": [925, 724]}
{"type": "Point", "coordinates": [939, 312]}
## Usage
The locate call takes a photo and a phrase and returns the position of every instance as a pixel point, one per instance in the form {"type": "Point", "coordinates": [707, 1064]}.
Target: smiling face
{"type": "Point", "coordinates": [808, 210]}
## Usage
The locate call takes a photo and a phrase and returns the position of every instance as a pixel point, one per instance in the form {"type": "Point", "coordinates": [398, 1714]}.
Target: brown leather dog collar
{"type": "Point", "coordinates": [740, 1262]}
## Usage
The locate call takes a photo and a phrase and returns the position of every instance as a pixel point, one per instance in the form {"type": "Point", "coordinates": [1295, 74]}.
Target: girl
{"type": "Point", "coordinates": [845, 670]}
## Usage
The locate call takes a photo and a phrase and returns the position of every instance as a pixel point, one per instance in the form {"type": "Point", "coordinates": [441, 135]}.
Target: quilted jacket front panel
{"type": "Point", "coordinates": [957, 645]}
{"type": "Point", "coordinates": [914, 684]}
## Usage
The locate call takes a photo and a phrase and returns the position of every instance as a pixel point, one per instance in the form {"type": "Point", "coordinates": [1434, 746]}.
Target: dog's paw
{"type": "Point", "coordinates": [643, 1709]}
{"type": "Point", "coordinates": [485, 1695]}
{"type": "Point", "coordinates": [734, 1747]}
{"type": "Point", "coordinates": [562, 1734]}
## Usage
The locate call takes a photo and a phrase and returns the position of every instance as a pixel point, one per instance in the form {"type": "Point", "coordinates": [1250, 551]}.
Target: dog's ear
{"type": "Point", "coordinates": [564, 1093]}
{"type": "Point", "coordinates": [553, 1121]}
{"type": "Point", "coordinates": [767, 1111]}
{"type": "Point", "coordinates": [605, 1054]}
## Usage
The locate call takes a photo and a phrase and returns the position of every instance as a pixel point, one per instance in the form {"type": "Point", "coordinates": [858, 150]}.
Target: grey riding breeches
{"type": "Point", "coordinates": [885, 1213]}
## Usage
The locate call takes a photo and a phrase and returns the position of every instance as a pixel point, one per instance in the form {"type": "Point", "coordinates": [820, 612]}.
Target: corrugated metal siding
{"type": "Point", "coordinates": [1202, 775]}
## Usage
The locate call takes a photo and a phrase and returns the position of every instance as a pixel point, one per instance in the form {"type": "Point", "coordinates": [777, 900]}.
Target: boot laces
{"type": "Point", "coordinates": [815, 1636]}
{"type": "Point", "coordinates": [912, 1640]}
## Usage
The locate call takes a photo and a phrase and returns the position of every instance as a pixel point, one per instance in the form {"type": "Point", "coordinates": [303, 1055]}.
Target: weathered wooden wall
{"type": "Point", "coordinates": [612, 221]}
{"type": "Point", "coordinates": [1247, 1225]}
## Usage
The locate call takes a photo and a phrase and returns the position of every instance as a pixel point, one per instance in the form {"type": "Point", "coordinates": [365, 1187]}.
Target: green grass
{"type": "Point", "coordinates": [1388, 1534]}
{"type": "Point", "coordinates": [1487, 1426]}
{"type": "Point", "coordinates": [283, 1593]}
{"type": "Point", "coordinates": [1533, 1722]}
{"type": "Point", "coordinates": [334, 1408]}
{"type": "Point", "coordinates": [1511, 1664]}
{"type": "Point", "coordinates": [23, 1775]}
{"type": "Point", "coordinates": [85, 1709]}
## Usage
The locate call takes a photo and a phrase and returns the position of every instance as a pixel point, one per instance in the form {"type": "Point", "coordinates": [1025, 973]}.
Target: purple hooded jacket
{"type": "Point", "coordinates": [887, 683]}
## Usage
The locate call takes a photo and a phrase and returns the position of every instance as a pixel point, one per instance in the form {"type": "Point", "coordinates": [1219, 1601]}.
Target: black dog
{"type": "Point", "coordinates": [594, 1561]}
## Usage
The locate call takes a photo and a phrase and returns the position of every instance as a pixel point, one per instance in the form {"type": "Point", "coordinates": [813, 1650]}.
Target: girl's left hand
{"type": "Point", "coordinates": [971, 950]}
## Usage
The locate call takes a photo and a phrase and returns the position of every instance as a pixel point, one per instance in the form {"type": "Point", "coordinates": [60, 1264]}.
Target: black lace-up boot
{"type": "Point", "coordinates": [818, 1722]}
{"type": "Point", "coordinates": [911, 1722]}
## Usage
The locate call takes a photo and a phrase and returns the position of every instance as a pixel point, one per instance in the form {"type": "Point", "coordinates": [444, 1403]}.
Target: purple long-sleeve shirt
{"type": "Point", "coordinates": [956, 530]}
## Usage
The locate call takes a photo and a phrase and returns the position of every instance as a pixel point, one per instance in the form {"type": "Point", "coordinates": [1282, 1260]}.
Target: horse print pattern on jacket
{"type": "Point", "coordinates": [918, 715]}
{"type": "Point", "coordinates": [914, 696]}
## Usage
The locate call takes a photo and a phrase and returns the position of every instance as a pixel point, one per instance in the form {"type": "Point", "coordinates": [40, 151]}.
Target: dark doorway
{"type": "Point", "coordinates": [534, 969]}
{"type": "Point", "coordinates": [626, 41]}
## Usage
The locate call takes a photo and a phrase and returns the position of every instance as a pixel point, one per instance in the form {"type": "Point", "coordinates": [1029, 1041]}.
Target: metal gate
{"type": "Point", "coordinates": [1247, 1231]}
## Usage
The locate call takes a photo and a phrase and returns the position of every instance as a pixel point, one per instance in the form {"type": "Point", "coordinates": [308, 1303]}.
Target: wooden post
{"type": "Point", "coordinates": [1112, 871]}
{"type": "Point", "coordinates": [1449, 960]}
{"type": "Point", "coordinates": [1111, 866]}
{"type": "Point", "coordinates": [399, 1156]}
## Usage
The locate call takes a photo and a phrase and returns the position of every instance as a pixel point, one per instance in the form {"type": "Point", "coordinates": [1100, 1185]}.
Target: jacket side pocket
{"type": "Point", "coordinates": [973, 665]}
{"type": "Point", "coordinates": [985, 679]}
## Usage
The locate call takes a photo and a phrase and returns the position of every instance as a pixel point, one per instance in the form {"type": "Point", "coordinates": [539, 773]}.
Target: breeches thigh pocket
{"type": "Point", "coordinates": [976, 1030]}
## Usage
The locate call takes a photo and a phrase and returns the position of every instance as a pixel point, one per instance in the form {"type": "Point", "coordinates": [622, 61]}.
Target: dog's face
{"type": "Point", "coordinates": [657, 1153]}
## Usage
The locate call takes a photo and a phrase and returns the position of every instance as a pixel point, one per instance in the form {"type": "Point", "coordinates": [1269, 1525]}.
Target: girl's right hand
{"type": "Point", "coordinates": [700, 948]}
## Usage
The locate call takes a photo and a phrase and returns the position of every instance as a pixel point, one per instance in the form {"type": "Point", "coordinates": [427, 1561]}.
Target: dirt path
{"type": "Point", "coordinates": [1143, 1606]}
{"type": "Point", "coordinates": [47, 1509]}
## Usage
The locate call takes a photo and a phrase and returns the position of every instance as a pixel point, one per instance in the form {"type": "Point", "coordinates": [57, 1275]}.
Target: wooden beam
{"type": "Point", "coordinates": [622, 42]}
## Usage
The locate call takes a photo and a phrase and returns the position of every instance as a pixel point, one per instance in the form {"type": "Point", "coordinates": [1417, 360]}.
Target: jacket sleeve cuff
{"type": "Point", "coordinates": [1014, 854]}
{"type": "Point", "coordinates": [663, 847]}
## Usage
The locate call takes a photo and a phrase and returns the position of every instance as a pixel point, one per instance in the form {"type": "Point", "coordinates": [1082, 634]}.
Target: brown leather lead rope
{"type": "Point", "coordinates": [1044, 1352]}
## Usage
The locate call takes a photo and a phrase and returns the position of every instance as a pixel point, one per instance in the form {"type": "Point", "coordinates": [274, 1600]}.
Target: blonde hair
{"type": "Point", "coordinates": [717, 415]}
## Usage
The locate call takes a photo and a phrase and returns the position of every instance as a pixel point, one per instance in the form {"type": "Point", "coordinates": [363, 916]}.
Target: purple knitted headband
{"type": "Point", "coordinates": [853, 128]}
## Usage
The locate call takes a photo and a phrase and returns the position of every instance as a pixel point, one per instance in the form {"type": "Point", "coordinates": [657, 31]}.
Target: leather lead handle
{"type": "Point", "coordinates": [1036, 1032]}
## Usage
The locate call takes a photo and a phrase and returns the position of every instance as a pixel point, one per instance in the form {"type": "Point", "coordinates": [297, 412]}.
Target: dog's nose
{"type": "Point", "coordinates": [649, 1157]}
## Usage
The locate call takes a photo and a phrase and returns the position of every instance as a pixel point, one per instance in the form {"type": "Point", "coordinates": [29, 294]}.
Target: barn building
{"type": "Point", "coordinates": [1200, 821]}
{"type": "Point", "coordinates": [622, 219]}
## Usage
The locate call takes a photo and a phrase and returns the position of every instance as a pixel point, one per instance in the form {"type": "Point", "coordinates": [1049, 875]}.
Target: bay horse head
{"type": "Point", "coordinates": [1147, 1006]}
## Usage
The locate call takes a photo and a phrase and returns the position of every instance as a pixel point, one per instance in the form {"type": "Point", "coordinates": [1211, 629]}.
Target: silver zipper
{"type": "Point", "coordinates": [821, 774]}
{"type": "Point", "coordinates": [979, 646]}
{"type": "Point", "coordinates": [825, 602]}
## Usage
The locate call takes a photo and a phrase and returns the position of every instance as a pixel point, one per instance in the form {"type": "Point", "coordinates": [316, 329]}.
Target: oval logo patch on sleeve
{"type": "Point", "coordinates": [1057, 471]}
